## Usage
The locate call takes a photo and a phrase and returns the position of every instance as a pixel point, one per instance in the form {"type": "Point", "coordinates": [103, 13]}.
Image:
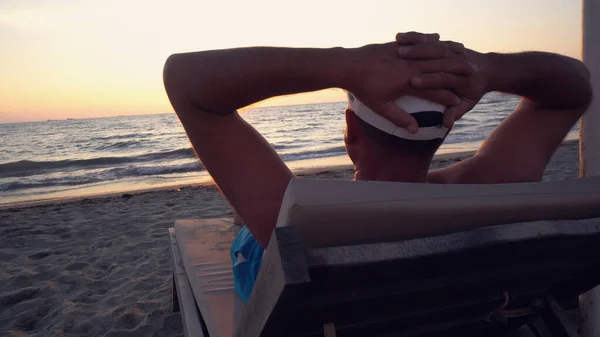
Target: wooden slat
{"type": "Point", "coordinates": [204, 245]}
{"type": "Point", "coordinates": [190, 316]}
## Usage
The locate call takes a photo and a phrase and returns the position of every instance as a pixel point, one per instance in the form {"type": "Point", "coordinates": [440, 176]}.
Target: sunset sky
{"type": "Point", "coordinates": [96, 58]}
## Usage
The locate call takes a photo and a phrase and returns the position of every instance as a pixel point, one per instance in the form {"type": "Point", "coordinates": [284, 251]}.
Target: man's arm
{"type": "Point", "coordinates": [206, 88]}
{"type": "Point", "coordinates": [546, 80]}
{"type": "Point", "coordinates": [556, 91]}
{"type": "Point", "coordinates": [222, 81]}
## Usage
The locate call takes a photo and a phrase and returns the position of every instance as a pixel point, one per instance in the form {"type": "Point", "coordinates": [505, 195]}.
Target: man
{"type": "Point", "coordinates": [206, 88]}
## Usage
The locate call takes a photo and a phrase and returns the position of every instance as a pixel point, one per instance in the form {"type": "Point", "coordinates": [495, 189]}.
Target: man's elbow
{"type": "Point", "coordinates": [177, 83]}
{"type": "Point", "coordinates": [171, 73]}
{"type": "Point", "coordinates": [183, 85]}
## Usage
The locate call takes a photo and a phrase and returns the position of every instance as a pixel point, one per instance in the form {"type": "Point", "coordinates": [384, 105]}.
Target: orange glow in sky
{"type": "Point", "coordinates": [94, 58]}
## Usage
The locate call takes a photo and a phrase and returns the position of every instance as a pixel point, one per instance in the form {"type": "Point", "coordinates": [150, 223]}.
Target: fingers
{"type": "Point", "coordinates": [412, 38]}
{"type": "Point", "coordinates": [441, 96]}
{"type": "Point", "coordinates": [457, 65]}
{"type": "Point", "coordinates": [431, 50]}
{"type": "Point", "coordinates": [454, 113]}
{"type": "Point", "coordinates": [398, 116]}
{"type": "Point", "coordinates": [427, 51]}
{"type": "Point", "coordinates": [440, 81]}
{"type": "Point", "coordinates": [455, 47]}
{"type": "Point", "coordinates": [450, 116]}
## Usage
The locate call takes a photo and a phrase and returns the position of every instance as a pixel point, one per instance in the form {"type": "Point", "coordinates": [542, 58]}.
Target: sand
{"type": "Point", "coordinates": [101, 267]}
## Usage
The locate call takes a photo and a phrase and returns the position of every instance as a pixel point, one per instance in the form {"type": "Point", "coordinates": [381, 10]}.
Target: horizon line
{"type": "Point", "coordinates": [164, 113]}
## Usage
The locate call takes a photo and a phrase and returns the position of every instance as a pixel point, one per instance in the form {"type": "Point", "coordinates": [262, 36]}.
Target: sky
{"type": "Point", "coordinates": [79, 59]}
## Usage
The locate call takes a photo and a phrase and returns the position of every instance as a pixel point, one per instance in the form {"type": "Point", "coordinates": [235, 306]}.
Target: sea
{"type": "Point", "coordinates": [80, 157]}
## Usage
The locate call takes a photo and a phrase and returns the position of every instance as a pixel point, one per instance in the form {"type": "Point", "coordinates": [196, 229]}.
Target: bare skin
{"type": "Point", "coordinates": [206, 89]}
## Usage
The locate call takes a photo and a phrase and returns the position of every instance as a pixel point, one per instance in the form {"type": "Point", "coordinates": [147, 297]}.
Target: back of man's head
{"type": "Point", "coordinates": [399, 141]}
{"type": "Point", "coordinates": [397, 146]}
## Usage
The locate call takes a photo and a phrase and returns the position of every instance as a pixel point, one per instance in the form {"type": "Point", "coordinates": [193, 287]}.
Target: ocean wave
{"type": "Point", "coordinates": [113, 174]}
{"type": "Point", "coordinates": [286, 146]}
{"type": "Point", "coordinates": [134, 171]}
{"type": "Point", "coordinates": [299, 129]}
{"type": "Point", "coordinates": [24, 168]}
{"type": "Point", "coordinates": [123, 136]}
{"type": "Point", "coordinates": [119, 145]}
{"type": "Point", "coordinates": [22, 185]}
{"type": "Point", "coordinates": [492, 101]}
{"type": "Point", "coordinates": [133, 148]}
{"type": "Point", "coordinates": [311, 154]}
{"type": "Point", "coordinates": [303, 110]}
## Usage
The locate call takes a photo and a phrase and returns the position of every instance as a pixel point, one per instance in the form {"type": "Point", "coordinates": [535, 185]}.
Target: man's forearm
{"type": "Point", "coordinates": [549, 80]}
{"type": "Point", "coordinates": [222, 81]}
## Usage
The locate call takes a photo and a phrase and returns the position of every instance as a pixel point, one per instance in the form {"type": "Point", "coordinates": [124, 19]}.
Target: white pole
{"type": "Point", "coordinates": [589, 145]}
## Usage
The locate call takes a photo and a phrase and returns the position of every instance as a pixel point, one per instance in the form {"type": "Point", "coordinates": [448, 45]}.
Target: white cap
{"type": "Point", "coordinates": [410, 104]}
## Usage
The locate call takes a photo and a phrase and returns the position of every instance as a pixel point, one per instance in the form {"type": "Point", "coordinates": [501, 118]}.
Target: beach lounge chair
{"type": "Point", "coordinates": [341, 263]}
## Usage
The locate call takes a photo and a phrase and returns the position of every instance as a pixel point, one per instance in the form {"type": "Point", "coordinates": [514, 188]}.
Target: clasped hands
{"type": "Point", "coordinates": [419, 65]}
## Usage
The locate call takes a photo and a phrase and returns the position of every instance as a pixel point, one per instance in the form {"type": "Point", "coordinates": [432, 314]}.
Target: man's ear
{"type": "Point", "coordinates": [352, 127]}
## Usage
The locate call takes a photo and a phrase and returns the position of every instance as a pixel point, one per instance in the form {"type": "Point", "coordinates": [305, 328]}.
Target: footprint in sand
{"type": "Point", "coordinates": [19, 296]}
{"type": "Point", "coordinates": [76, 266]}
{"type": "Point", "coordinates": [39, 255]}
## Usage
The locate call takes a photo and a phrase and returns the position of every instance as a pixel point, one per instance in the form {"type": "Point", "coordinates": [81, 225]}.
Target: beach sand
{"type": "Point", "coordinates": [101, 267]}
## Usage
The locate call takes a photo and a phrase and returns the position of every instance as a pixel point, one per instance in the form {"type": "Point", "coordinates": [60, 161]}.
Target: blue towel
{"type": "Point", "coordinates": [246, 257]}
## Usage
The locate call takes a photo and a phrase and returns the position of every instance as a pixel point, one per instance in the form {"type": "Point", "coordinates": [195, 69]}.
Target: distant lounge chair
{"type": "Point", "coordinates": [341, 262]}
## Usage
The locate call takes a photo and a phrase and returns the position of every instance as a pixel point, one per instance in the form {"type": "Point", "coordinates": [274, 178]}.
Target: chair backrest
{"type": "Point", "coordinates": [324, 265]}
{"type": "Point", "coordinates": [336, 212]}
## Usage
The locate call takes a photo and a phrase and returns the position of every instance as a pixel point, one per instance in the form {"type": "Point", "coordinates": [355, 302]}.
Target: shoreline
{"type": "Point", "coordinates": [335, 169]}
{"type": "Point", "coordinates": [307, 171]}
